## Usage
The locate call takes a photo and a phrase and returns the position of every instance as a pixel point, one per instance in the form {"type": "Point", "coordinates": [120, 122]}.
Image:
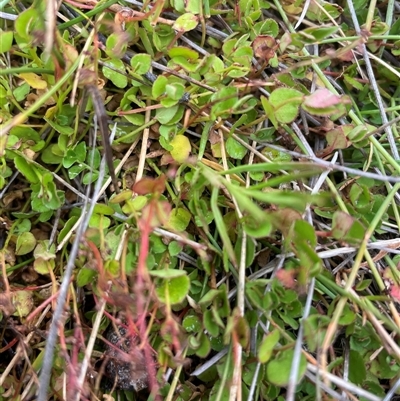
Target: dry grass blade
{"type": "Point", "coordinates": [51, 12]}
{"type": "Point", "coordinates": [102, 119]}
{"type": "Point", "coordinates": [90, 346]}
{"type": "Point", "coordinates": [20, 351]}
{"type": "Point", "coordinates": [87, 211]}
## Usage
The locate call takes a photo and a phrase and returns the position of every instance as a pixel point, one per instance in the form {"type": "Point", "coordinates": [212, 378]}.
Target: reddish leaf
{"type": "Point", "coordinates": [322, 98]}
{"type": "Point", "coordinates": [264, 47]}
{"type": "Point", "coordinates": [341, 224]}
{"type": "Point", "coordinates": [388, 274]}
{"type": "Point", "coordinates": [150, 186]}
{"type": "Point", "coordinates": [395, 292]}
{"type": "Point", "coordinates": [285, 41]}
{"type": "Point", "coordinates": [283, 219]}
{"type": "Point", "coordinates": [287, 278]}
{"type": "Point", "coordinates": [337, 139]}
{"type": "Point", "coordinates": [166, 159]}
{"type": "Point", "coordinates": [154, 215]}
{"type": "Point", "coordinates": [347, 56]}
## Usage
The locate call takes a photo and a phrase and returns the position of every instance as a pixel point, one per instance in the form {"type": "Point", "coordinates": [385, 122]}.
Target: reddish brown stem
{"type": "Point", "coordinates": [141, 274]}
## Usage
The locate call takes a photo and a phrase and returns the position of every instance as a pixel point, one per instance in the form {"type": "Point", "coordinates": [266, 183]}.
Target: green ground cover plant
{"type": "Point", "coordinates": [199, 200]}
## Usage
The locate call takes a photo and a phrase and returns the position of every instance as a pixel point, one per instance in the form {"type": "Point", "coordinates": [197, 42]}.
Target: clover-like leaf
{"type": "Point", "coordinates": [286, 103]}
{"type": "Point", "coordinates": [174, 290]}
{"type": "Point", "coordinates": [118, 79]}
{"type": "Point", "coordinates": [337, 138]}
{"type": "Point", "coordinates": [43, 266]}
{"type": "Point", "coordinates": [235, 149]}
{"type": "Point", "coordinates": [26, 242]}
{"type": "Point", "coordinates": [192, 323]}
{"type": "Point", "coordinates": [85, 276]}
{"type": "Point", "coordinates": [186, 22]}
{"type": "Point", "coordinates": [278, 369]}
{"type": "Point", "coordinates": [179, 219]}
{"type": "Point", "coordinates": [141, 63]}
{"type": "Point", "coordinates": [23, 302]}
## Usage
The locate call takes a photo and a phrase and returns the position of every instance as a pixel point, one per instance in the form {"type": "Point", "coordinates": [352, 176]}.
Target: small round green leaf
{"type": "Point", "coordinates": [26, 22]}
{"type": "Point", "coordinates": [204, 348]}
{"type": "Point", "coordinates": [85, 276]}
{"type": "Point", "coordinates": [173, 291]}
{"type": "Point", "coordinates": [179, 219]}
{"type": "Point", "coordinates": [43, 266]}
{"type": "Point", "coordinates": [192, 324]}
{"type": "Point", "coordinates": [181, 148]}
{"type": "Point", "coordinates": [141, 63]}
{"type": "Point", "coordinates": [286, 102]}
{"type": "Point", "coordinates": [185, 52]}
{"type": "Point", "coordinates": [101, 208]}
{"type": "Point", "coordinates": [235, 149]}
{"type": "Point", "coordinates": [357, 370]}
{"type": "Point", "coordinates": [22, 302]}
{"type": "Point", "coordinates": [267, 27]}
{"type": "Point", "coordinates": [99, 221]}
{"type": "Point", "coordinates": [159, 86]}
{"type": "Point", "coordinates": [210, 324]}
{"type": "Point", "coordinates": [23, 226]}
{"type": "Point", "coordinates": [20, 92]}
{"type": "Point", "coordinates": [43, 250]}
{"type": "Point", "coordinates": [25, 243]}
{"type": "Point", "coordinates": [118, 79]}
{"type": "Point", "coordinates": [175, 91]}
{"type": "Point", "coordinates": [278, 370]}
{"type": "Point", "coordinates": [256, 228]}
{"type": "Point", "coordinates": [186, 22]}
{"type": "Point", "coordinates": [165, 115]}
{"type": "Point", "coordinates": [276, 155]}
{"type": "Point", "coordinates": [121, 197]}
{"type": "Point", "coordinates": [174, 248]}
{"type": "Point", "coordinates": [50, 156]}
{"type": "Point", "coordinates": [115, 45]}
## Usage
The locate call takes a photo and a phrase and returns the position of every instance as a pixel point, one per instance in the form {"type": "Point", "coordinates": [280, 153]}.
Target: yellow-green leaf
{"type": "Point", "coordinates": [186, 22]}
{"type": "Point", "coordinates": [33, 80]}
{"type": "Point", "coordinates": [23, 303]}
{"type": "Point", "coordinates": [173, 291]}
{"type": "Point", "coordinates": [181, 148]}
{"type": "Point", "coordinates": [267, 346]}
{"type": "Point", "coordinates": [25, 243]}
{"type": "Point", "coordinates": [6, 39]}
{"type": "Point", "coordinates": [179, 219]}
